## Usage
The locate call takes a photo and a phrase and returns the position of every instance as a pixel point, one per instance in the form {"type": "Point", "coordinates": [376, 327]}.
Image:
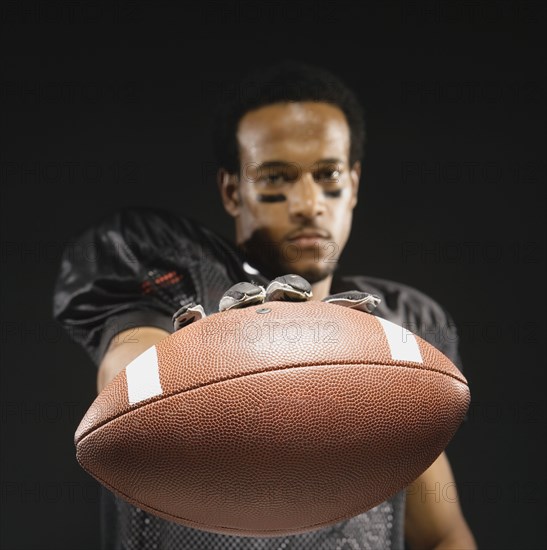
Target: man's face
{"type": "Point", "coordinates": [295, 178]}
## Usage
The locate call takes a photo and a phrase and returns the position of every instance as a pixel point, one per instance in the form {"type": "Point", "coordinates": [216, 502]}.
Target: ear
{"type": "Point", "coordinates": [228, 185]}
{"type": "Point", "coordinates": [355, 176]}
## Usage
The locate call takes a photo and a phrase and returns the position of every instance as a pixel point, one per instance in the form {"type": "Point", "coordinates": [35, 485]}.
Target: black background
{"type": "Point", "coordinates": [107, 107]}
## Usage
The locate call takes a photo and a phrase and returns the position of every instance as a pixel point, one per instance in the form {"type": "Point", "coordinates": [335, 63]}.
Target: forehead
{"type": "Point", "coordinates": [302, 131]}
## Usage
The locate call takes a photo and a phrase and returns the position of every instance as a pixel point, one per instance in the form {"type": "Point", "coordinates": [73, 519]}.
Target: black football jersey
{"type": "Point", "coordinates": [135, 268]}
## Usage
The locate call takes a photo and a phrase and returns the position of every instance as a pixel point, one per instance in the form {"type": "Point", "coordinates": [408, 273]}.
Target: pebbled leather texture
{"type": "Point", "coordinates": [276, 419]}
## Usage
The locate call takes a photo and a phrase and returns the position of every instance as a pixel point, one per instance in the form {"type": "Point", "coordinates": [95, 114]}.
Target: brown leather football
{"type": "Point", "coordinates": [272, 420]}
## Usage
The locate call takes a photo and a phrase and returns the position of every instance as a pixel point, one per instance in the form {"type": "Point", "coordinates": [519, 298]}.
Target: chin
{"type": "Point", "coordinates": [313, 272]}
{"type": "Point", "coordinates": [272, 263]}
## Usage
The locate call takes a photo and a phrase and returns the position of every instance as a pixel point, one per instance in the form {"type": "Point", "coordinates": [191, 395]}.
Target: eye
{"type": "Point", "coordinates": [274, 180]}
{"type": "Point", "coordinates": [327, 172]}
{"type": "Point", "coordinates": [276, 177]}
{"type": "Point", "coordinates": [329, 175]}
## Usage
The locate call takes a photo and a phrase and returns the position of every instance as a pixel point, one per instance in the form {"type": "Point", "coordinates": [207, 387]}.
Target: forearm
{"type": "Point", "coordinates": [459, 538]}
{"type": "Point", "coordinates": [434, 523]}
{"type": "Point", "coordinates": [125, 347]}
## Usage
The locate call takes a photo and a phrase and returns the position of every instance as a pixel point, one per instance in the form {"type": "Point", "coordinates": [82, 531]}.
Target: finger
{"type": "Point", "coordinates": [289, 288]}
{"type": "Point", "coordinates": [242, 295]}
{"type": "Point", "coordinates": [363, 301]}
{"type": "Point", "coordinates": [188, 314]}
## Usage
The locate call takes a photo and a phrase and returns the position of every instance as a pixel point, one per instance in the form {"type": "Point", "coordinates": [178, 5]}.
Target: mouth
{"type": "Point", "coordinates": [309, 233]}
{"type": "Point", "coordinates": [308, 239]}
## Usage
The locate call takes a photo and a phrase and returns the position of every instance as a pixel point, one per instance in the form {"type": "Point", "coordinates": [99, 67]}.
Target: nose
{"type": "Point", "coordinates": [306, 198]}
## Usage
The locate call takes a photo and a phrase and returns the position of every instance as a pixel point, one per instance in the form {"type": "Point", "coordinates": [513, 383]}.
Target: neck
{"type": "Point", "coordinates": [321, 289]}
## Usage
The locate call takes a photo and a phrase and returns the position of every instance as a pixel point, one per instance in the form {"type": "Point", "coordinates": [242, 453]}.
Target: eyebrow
{"type": "Point", "coordinates": [283, 164]}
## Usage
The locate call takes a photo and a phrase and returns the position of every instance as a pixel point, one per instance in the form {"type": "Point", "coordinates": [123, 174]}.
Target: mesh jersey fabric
{"type": "Point", "coordinates": [135, 268]}
{"type": "Point", "coordinates": [128, 528]}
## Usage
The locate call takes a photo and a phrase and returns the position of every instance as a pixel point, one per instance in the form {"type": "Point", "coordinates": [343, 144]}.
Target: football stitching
{"type": "Point", "coordinates": [163, 396]}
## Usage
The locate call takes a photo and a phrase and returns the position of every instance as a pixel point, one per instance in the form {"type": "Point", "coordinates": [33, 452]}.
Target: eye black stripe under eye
{"type": "Point", "coordinates": [334, 194]}
{"type": "Point", "coordinates": [272, 198]}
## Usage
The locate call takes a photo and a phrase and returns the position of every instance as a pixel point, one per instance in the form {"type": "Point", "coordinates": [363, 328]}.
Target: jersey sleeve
{"type": "Point", "coordinates": [122, 273]}
{"type": "Point", "coordinates": [448, 343]}
{"type": "Point", "coordinates": [412, 309]}
{"type": "Point", "coordinates": [432, 322]}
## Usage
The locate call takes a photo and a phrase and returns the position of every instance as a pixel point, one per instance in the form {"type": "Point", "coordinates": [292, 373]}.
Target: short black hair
{"type": "Point", "coordinates": [286, 81]}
